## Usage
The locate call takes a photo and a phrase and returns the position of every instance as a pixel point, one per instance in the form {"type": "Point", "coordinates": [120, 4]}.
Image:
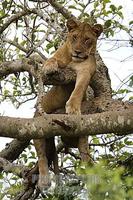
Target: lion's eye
{"type": "Point", "coordinates": [88, 41]}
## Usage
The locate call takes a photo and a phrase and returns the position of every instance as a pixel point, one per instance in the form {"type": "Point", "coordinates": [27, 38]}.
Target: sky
{"type": "Point", "coordinates": [116, 61]}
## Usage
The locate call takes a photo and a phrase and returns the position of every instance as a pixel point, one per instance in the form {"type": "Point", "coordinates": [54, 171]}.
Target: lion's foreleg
{"type": "Point", "coordinates": [73, 105]}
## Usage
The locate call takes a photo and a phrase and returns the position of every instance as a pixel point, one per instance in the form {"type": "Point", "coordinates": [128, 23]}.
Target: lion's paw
{"type": "Point", "coordinates": [51, 67]}
{"type": "Point", "coordinates": [44, 183]}
{"type": "Point", "coordinates": [72, 108]}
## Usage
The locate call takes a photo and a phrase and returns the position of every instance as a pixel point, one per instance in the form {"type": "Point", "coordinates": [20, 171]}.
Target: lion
{"type": "Point", "coordinates": [78, 53]}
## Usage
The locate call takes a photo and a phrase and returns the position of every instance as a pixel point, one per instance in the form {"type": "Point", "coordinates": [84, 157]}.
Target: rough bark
{"type": "Point", "coordinates": [10, 67]}
{"type": "Point", "coordinates": [14, 149]}
{"type": "Point", "coordinates": [119, 122]}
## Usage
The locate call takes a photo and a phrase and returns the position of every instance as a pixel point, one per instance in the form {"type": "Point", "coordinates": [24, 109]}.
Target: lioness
{"type": "Point", "coordinates": [78, 52]}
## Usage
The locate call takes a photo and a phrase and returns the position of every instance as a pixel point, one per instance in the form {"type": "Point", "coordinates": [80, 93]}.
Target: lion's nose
{"type": "Point", "coordinates": [78, 52]}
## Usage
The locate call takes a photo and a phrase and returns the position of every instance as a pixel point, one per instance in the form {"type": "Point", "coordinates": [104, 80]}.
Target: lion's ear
{"type": "Point", "coordinates": [98, 29]}
{"type": "Point", "coordinates": [72, 24]}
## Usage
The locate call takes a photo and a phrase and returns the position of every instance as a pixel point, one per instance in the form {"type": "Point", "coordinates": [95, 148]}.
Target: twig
{"type": "Point", "coordinates": [58, 7]}
{"type": "Point", "coordinates": [14, 18]}
{"type": "Point", "coordinates": [25, 194]}
{"type": "Point", "coordinates": [18, 170]}
{"type": "Point", "coordinates": [15, 44]}
{"type": "Point", "coordinates": [106, 143]}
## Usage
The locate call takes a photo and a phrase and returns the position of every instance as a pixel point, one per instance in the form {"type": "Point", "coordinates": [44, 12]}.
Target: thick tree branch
{"type": "Point", "coordinates": [22, 65]}
{"type": "Point", "coordinates": [119, 122]}
{"type": "Point", "coordinates": [14, 149]}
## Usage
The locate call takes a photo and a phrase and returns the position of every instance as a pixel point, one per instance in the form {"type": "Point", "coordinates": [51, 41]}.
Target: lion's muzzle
{"type": "Point", "coordinates": [78, 55]}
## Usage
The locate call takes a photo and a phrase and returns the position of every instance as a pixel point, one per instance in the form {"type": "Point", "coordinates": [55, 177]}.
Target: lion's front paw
{"type": "Point", "coordinates": [50, 67]}
{"type": "Point", "coordinates": [73, 108]}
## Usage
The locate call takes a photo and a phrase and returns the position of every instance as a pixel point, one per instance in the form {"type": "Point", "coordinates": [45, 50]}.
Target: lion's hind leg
{"type": "Point", "coordinates": [54, 99]}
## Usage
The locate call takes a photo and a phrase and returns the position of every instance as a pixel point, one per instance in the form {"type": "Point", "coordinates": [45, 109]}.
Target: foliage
{"type": "Point", "coordinates": [106, 183]}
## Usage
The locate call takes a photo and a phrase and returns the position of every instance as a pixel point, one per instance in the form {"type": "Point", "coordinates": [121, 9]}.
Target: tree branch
{"type": "Point", "coordinates": [18, 170]}
{"type": "Point", "coordinates": [16, 44]}
{"type": "Point", "coordinates": [14, 149]}
{"type": "Point", "coordinates": [22, 65]}
{"type": "Point", "coordinates": [60, 9]}
{"type": "Point", "coordinates": [14, 18]}
{"type": "Point", "coordinates": [119, 122]}
{"type": "Point", "coordinates": [18, 15]}
{"type": "Point", "coordinates": [57, 6]}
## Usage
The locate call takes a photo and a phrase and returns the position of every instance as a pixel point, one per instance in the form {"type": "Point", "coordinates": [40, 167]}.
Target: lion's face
{"type": "Point", "coordinates": [82, 39]}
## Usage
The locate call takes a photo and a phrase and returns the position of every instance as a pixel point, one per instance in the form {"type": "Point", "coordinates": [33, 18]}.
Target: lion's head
{"type": "Point", "coordinates": [82, 39]}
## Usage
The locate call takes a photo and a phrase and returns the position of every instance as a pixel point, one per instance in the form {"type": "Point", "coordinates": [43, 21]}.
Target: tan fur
{"type": "Point", "coordinates": [78, 52]}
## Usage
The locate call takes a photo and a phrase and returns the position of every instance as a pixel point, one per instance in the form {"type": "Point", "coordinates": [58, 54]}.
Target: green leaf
{"type": "Point", "coordinates": [128, 142]}
{"type": "Point", "coordinates": [120, 7]}
{"type": "Point", "coordinates": [24, 156]}
{"type": "Point", "coordinates": [96, 4]}
{"type": "Point", "coordinates": [121, 15]}
{"type": "Point", "coordinates": [1, 176]}
{"type": "Point", "coordinates": [32, 154]}
{"type": "Point", "coordinates": [2, 13]}
{"type": "Point", "coordinates": [113, 7]}
{"type": "Point", "coordinates": [95, 140]}
{"type": "Point", "coordinates": [82, 5]}
{"type": "Point", "coordinates": [107, 1]}
{"type": "Point", "coordinates": [4, 4]}
{"type": "Point", "coordinates": [131, 22]}
{"type": "Point", "coordinates": [49, 45]}
{"type": "Point", "coordinates": [108, 23]}
{"type": "Point", "coordinates": [6, 92]}
{"type": "Point", "coordinates": [111, 32]}
{"type": "Point", "coordinates": [122, 91]}
{"type": "Point", "coordinates": [131, 81]}
{"type": "Point", "coordinates": [131, 98]}
{"type": "Point", "coordinates": [73, 7]}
